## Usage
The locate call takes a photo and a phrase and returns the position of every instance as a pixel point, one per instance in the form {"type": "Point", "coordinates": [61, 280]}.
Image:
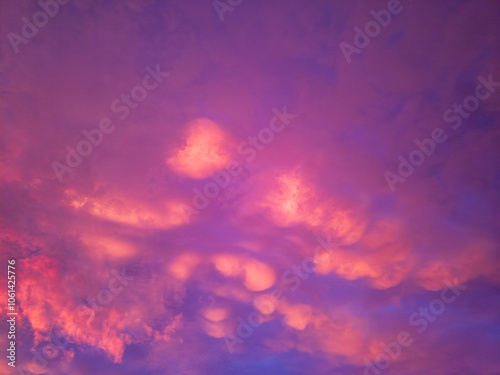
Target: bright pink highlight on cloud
{"type": "Point", "coordinates": [205, 151]}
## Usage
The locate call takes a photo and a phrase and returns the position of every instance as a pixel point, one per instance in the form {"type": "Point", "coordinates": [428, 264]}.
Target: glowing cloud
{"type": "Point", "coordinates": [257, 275]}
{"type": "Point", "coordinates": [183, 266]}
{"type": "Point", "coordinates": [166, 214]}
{"type": "Point", "coordinates": [205, 151]}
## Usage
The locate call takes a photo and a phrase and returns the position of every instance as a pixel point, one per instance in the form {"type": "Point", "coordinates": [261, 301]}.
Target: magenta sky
{"type": "Point", "coordinates": [252, 187]}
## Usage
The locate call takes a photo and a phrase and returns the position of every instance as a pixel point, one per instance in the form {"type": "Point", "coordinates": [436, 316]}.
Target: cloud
{"type": "Point", "coordinates": [124, 208]}
{"type": "Point", "coordinates": [205, 151]}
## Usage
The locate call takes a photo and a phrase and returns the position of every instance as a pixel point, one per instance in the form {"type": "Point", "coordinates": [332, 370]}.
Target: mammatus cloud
{"type": "Point", "coordinates": [205, 152]}
{"type": "Point", "coordinates": [218, 188]}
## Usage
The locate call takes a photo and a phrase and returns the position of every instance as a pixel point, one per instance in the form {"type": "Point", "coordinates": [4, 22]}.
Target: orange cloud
{"type": "Point", "coordinates": [296, 316]}
{"type": "Point", "coordinates": [118, 209]}
{"type": "Point", "coordinates": [345, 226]}
{"type": "Point", "coordinates": [471, 261]}
{"type": "Point", "coordinates": [257, 275]}
{"type": "Point", "coordinates": [110, 246]}
{"type": "Point", "coordinates": [205, 151]}
{"type": "Point", "coordinates": [333, 332]}
{"type": "Point", "coordinates": [385, 268]}
{"type": "Point", "coordinates": [215, 329]}
{"type": "Point", "coordinates": [291, 201]}
{"type": "Point", "coordinates": [183, 266]}
{"type": "Point", "coordinates": [288, 202]}
{"type": "Point", "coordinates": [215, 314]}
{"type": "Point", "coordinates": [48, 304]}
{"type": "Point", "coordinates": [215, 323]}
{"type": "Point", "coordinates": [266, 303]}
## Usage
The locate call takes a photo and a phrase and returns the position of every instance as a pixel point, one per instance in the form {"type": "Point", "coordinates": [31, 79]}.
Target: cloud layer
{"type": "Point", "coordinates": [237, 218]}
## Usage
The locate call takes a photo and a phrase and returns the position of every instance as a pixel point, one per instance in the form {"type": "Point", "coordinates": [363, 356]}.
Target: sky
{"type": "Point", "coordinates": [250, 187]}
